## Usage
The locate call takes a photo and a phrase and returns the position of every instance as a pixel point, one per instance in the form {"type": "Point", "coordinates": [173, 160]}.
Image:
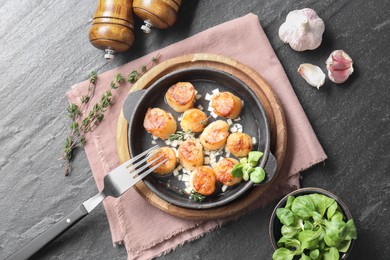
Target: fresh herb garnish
{"type": "Point", "coordinates": [180, 135]}
{"type": "Point", "coordinates": [196, 196]}
{"type": "Point", "coordinates": [136, 74]}
{"type": "Point", "coordinates": [313, 226]}
{"type": "Point", "coordinates": [247, 169]}
{"type": "Point", "coordinates": [83, 121]}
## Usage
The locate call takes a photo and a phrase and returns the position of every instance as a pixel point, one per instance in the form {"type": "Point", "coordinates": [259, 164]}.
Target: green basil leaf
{"type": "Point", "coordinates": [309, 239]}
{"type": "Point", "coordinates": [303, 207]}
{"type": "Point", "coordinates": [344, 246]}
{"type": "Point", "coordinates": [321, 202]}
{"type": "Point", "coordinates": [246, 170]}
{"type": "Point", "coordinates": [285, 216]}
{"type": "Point", "coordinates": [244, 160]}
{"type": "Point", "coordinates": [237, 170]}
{"type": "Point", "coordinates": [290, 200]}
{"type": "Point", "coordinates": [258, 175]}
{"type": "Point", "coordinates": [317, 217]}
{"type": "Point", "coordinates": [304, 257]}
{"type": "Point", "coordinates": [332, 254]}
{"type": "Point", "coordinates": [335, 232]}
{"type": "Point", "coordinates": [332, 210]}
{"type": "Point", "coordinates": [290, 231]}
{"type": "Point", "coordinates": [314, 254]}
{"type": "Point", "coordinates": [352, 232]}
{"type": "Point", "coordinates": [283, 254]}
{"type": "Point", "coordinates": [308, 225]}
{"type": "Point", "coordinates": [337, 216]}
{"type": "Point", "coordinates": [254, 157]}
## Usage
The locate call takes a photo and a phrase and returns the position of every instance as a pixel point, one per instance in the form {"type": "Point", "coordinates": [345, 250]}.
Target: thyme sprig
{"type": "Point", "coordinates": [84, 121]}
{"type": "Point", "coordinates": [136, 74]}
{"type": "Point", "coordinates": [180, 135]}
{"type": "Point", "coordinates": [196, 196]}
{"type": "Point", "coordinates": [80, 126]}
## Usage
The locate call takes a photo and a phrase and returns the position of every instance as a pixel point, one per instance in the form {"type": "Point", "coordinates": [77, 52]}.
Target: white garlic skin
{"type": "Point", "coordinates": [312, 74]}
{"type": "Point", "coordinates": [302, 29]}
{"type": "Point", "coordinates": [339, 66]}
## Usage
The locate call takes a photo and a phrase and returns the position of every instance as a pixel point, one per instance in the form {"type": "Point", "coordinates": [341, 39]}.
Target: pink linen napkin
{"type": "Point", "coordinates": [146, 231]}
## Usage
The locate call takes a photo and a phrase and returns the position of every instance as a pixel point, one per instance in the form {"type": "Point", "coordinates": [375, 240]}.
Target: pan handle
{"type": "Point", "coordinates": [131, 103]}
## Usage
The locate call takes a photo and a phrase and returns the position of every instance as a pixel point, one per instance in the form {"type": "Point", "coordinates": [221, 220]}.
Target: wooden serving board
{"type": "Point", "coordinates": [265, 94]}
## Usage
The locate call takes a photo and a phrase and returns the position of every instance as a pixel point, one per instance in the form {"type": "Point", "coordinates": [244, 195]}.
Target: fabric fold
{"type": "Point", "coordinates": [146, 231]}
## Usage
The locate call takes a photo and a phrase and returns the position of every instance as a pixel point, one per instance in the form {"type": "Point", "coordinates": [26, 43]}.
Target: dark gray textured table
{"type": "Point", "coordinates": [45, 49]}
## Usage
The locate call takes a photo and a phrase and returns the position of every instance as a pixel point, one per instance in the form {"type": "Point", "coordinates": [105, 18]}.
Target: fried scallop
{"type": "Point", "coordinates": [225, 104]}
{"type": "Point", "coordinates": [159, 123]}
{"type": "Point", "coordinates": [239, 144]}
{"type": "Point", "coordinates": [181, 96]}
{"type": "Point", "coordinates": [167, 154]}
{"type": "Point", "coordinates": [214, 135]}
{"type": "Point", "coordinates": [193, 120]}
{"type": "Point", "coordinates": [203, 180]}
{"type": "Point", "coordinates": [190, 154]}
{"type": "Point", "coordinates": [223, 172]}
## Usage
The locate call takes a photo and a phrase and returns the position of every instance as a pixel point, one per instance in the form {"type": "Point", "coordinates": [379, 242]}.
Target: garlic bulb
{"type": "Point", "coordinates": [303, 30]}
{"type": "Point", "coordinates": [339, 66]}
{"type": "Point", "coordinates": [312, 74]}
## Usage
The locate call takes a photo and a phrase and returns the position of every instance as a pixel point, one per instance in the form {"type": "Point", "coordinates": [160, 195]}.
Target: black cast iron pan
{"type": "Point", "coordinates": [253, 119]}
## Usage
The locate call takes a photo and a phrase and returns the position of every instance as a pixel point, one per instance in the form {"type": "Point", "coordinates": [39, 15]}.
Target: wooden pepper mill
{"type": "Point", "coordinates": [112, 27]}
{"type": "Point", "coordinates": [156, 13]}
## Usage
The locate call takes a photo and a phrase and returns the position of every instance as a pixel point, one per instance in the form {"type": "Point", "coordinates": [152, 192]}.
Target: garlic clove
{"type": "Point", "coordinates": [339, 66]}
{"type": "Point", "coordinates": [312, 74]}
{"type": "Point", "coordinates": [302, 29]}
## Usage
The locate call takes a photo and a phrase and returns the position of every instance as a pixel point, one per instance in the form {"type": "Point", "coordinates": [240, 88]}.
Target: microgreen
{"type": "Point", "coordinates": [247, 168]}
{"type": "Point", "coordinates": [314, 227]}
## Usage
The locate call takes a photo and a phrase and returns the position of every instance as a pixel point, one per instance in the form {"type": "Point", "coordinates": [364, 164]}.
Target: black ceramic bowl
{"type": "Point", "coordinates": [253, 119]}
{"type": "Point", "coordinates": [275, 225]}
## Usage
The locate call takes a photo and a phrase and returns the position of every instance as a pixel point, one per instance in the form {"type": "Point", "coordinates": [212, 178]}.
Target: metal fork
{"type": "Point", "coordinates": [116, 183]}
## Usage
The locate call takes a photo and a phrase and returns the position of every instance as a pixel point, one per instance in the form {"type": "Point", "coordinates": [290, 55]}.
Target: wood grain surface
{"type": "Point", "coordinates": [268, 99]}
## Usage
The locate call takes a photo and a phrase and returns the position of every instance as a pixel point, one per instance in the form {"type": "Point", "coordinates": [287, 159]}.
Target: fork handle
{"type": "Point", "coordinates": [50, 234]}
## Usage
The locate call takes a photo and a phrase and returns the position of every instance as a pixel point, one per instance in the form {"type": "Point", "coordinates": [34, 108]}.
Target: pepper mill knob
{"type": "Point", "coordinates": [112, 27]}
{"type": "Point", "coordinates": [157, 13]}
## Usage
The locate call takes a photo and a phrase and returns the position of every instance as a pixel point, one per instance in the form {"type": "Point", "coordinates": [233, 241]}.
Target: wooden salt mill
{"type": "Point", "coordinates": [112, 27]}
{"type": "Point", "coordinates": [156, 13]}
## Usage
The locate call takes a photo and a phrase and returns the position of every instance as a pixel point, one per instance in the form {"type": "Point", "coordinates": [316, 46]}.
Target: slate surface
{"type": "Point", "coordinates": [45, 49]}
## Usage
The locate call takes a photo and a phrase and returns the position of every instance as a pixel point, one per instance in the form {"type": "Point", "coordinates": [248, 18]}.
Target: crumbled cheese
{"type": "Point", "coordinates": [187, 184]}
{"type": "Point", "coordinates": [154, 142]}
{"type": "Point", "coordinates": [220, 159]}
{"type": "Point", "coordinates": [210, 108]}
{"type": "Point", "coordinates": [208, 97]}
{"type": "Point", "coordinates": [233, 129]}
{"type": "Point", "coordinates": [168, 142]}
{"type": "Point", "coordinates": [206, 160]}
{"type": "Point", "coordinates": [154, 137]}
{"type": "Point", "coordinates": [239, 130]}
{"type": "Point", "coordinates": [200, 107]}
{"type": "Point", "coordinates": [214, 115]}
{"type": "Point", "coordinates": [184, 170]}
{"type": "Point", "coordinates": [179, 167]}
{"type": "Point", "coordinates": [188, 190]}
{"type": "Point", "coordinates": [175, 172]}
{"type": "Point", "coordinates": [215, 91]}
{"type": "Point", "coordinates": [224, 188]}
{"type": "Point", "coordinates": [198, 96]}
{"type": "Point", "coordinates": [180, 177]}
{"type": "Point", "coordinates": [174, 143]}
{"type": "Point", "coordinates": [207, 152]}
{"type": "Point", "coordinates": [227, 154]}
{"type": "Point", "coordinates": [185, 177]}
{"type": "Point", "coordinates": [237, 119]}
{"type": "Point", "coordinates": [229, 121]}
